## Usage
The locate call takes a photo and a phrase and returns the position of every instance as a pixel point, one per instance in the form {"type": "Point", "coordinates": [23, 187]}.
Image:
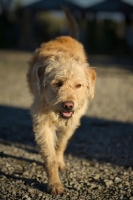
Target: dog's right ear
{"type": "Point", "coordinates": [40, 77]}
{"type": "Point", "coordinates": [40, 68]}
{"type": "Point", "coordinates": [40, 72]}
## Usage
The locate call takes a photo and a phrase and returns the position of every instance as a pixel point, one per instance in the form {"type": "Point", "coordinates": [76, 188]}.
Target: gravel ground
{"type": "Point", "coordinates": [99, 157]}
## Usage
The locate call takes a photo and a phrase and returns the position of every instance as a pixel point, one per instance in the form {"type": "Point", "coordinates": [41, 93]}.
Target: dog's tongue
{"type": "Point", "coordinates": [67, 114]}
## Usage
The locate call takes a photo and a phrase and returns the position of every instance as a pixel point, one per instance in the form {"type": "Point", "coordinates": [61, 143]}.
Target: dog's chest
{"type": "Point", "coordinates": [61, 129]}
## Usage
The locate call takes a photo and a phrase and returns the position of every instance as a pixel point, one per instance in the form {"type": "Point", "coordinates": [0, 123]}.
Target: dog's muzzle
{"type": "Point", "coordinates": [67, 109]}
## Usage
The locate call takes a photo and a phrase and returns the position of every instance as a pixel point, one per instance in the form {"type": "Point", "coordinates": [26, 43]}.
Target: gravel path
{"type": "Point", "coordinates": [99, 157]}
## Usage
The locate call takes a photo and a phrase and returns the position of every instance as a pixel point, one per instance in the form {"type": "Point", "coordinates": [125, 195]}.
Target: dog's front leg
{"type": "Point", "coordinates": [46, 140]}
{"type": "Point", "coordinates": [61, 146]}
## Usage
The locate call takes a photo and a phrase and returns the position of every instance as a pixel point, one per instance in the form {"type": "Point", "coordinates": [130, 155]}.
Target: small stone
{"type": "Point", "coordinates": [97, 176]}
{"type": "Point", "coordinates": [28, 198]}
{"type": "Point", "coordinates": [92, 186]}
{"type": "Point", "coordinates": [121, 197]}
{"type": "Point", "coordinates": [122, 192]}
{"type": "Point", "coordinates": [34, 164]}
{"type": "Point", "coordinates": [14, 192]}
{"type": "Point", "coordinates": [26, 173]}
{"type": "Point", "coordinates": [99, 187]}
{"type": "Point", "coordinates": [31, 191]}
{"type": "Point", "coordinates": [7, 164]}
{"type": "Point", "coordinates": [120, 186]}
{"type": "Point", "coordinates": [108, 183]}
{"type": "Point", "coordinates": [127, 183]}
{"type": "Point", "coordinates": [117, 180]}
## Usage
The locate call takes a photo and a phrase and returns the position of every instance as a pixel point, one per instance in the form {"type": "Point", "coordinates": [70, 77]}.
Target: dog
{"type": "Point", "coordinates": [62, 83]}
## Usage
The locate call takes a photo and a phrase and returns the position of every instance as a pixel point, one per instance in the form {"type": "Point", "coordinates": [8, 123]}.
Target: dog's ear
{"type": "Point", "coordinates": [40, 72]}
{"type": "Point", "coordinates": [40, 67]}
{"type": "Point", "coordinates": [40, 76]}
{"type": "Point", "coordinates": [91, 78]}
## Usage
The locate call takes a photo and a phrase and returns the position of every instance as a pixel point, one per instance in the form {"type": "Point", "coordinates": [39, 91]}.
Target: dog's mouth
{"type": "Point", "coordinates": [66, 114]}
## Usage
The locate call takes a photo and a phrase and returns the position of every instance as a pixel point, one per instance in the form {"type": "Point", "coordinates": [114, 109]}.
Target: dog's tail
{"type": "Point", "coordinates": [72, 24]}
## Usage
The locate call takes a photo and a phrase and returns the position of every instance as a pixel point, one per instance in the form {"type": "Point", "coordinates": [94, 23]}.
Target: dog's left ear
{"type": "Point", "coordinates": [91, 78]}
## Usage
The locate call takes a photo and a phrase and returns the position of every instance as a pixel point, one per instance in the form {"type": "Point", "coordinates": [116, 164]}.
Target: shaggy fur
{"type": "Point", "coordinates": [62, 83]}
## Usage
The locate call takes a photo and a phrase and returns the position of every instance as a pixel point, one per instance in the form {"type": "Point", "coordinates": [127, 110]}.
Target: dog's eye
{"type": "Point", "coordinates": [78, 85]}
{"type": "Point", "coordinates": [59, 84]}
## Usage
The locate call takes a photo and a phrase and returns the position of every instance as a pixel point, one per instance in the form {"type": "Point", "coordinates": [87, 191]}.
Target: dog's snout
{"type": "Point", "coordinates": [68, 105]}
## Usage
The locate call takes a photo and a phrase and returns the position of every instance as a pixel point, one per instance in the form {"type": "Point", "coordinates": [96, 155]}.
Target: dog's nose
{"type": "Point", "coordinates": [68, 105]}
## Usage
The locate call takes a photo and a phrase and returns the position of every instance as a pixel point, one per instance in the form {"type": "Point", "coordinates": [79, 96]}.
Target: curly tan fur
{"type": "Point", "coordinates": [58, 73]}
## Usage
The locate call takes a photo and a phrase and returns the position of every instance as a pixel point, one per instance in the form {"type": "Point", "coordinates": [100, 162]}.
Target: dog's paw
{"type": "Point", "coordinates": [56, 188]}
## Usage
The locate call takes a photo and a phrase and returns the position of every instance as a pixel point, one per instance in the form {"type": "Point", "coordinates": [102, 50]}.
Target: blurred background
{"type": "Point", "coordinates": [106, 27]}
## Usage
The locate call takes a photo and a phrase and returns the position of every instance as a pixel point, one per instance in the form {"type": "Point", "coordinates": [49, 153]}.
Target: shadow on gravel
{"type": "Point", "coordinates": [103, 140]}
{"type": "Point", "coordinates": [27, 181]}
{"type": "Point", "coordinates": [3, 155]}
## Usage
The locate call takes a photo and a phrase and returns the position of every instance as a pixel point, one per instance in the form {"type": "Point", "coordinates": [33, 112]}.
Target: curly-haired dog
{"type": "Point", "coordinates": [62, 83]}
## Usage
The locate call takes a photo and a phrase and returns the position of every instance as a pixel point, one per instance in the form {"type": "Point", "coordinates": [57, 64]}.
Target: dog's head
{"type": "Point", "coordinates": [65, 84]}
